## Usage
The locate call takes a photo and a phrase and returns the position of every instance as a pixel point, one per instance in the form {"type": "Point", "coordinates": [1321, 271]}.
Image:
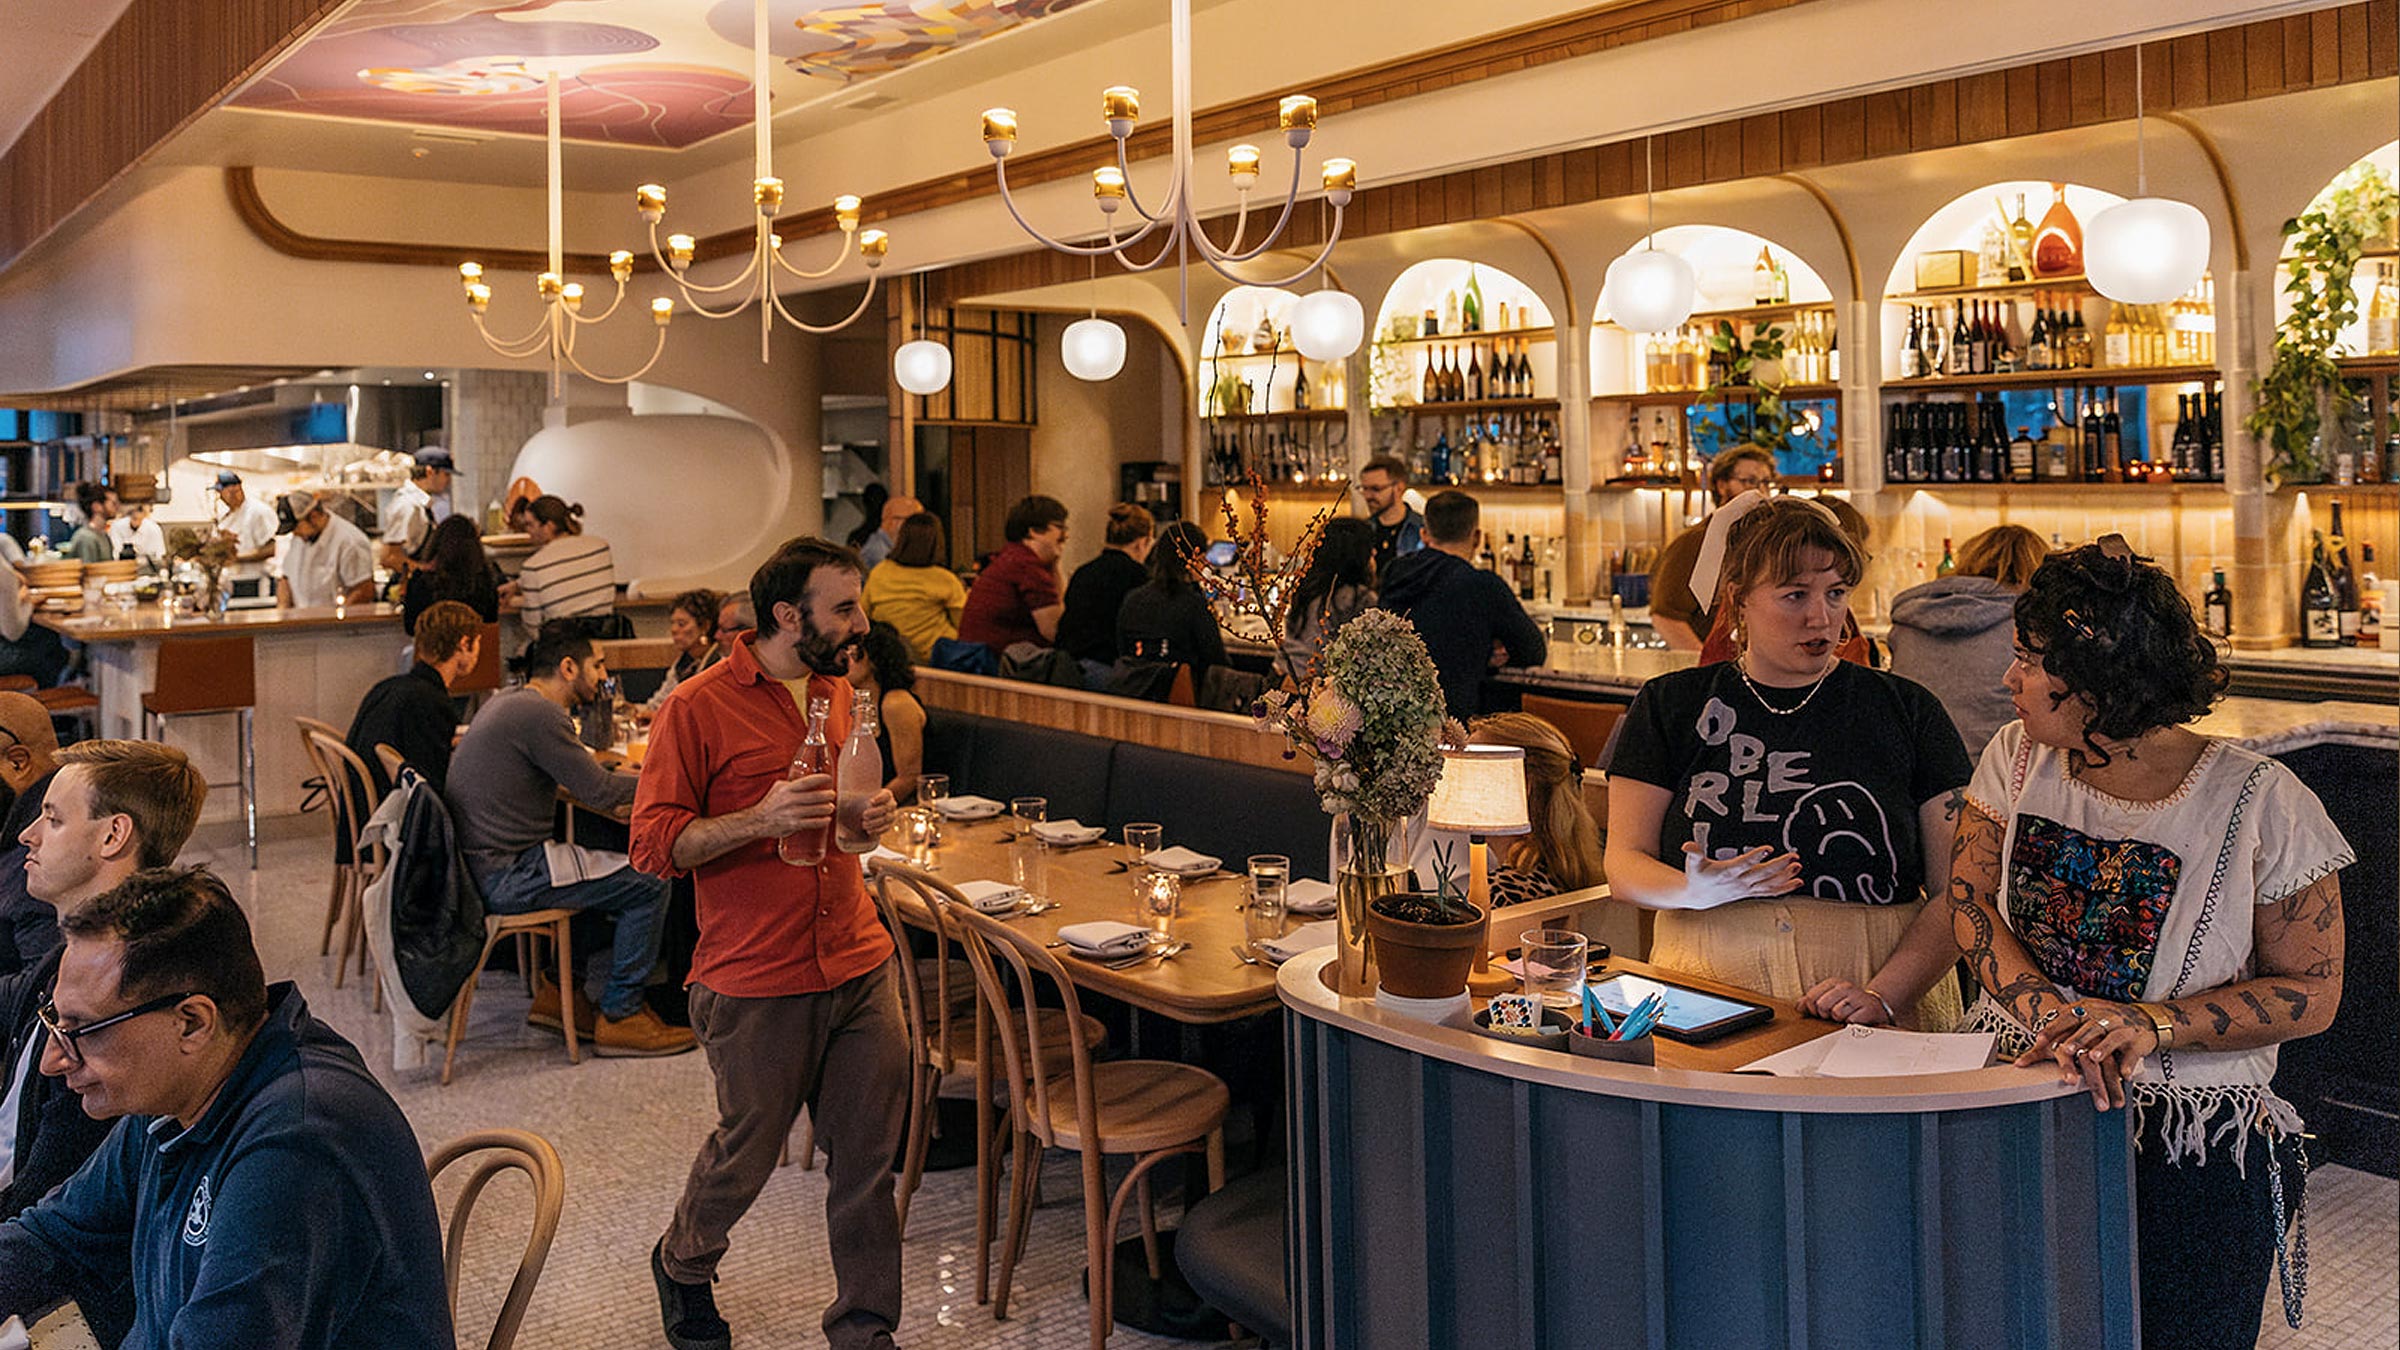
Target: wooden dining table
{"type": "Point", "coordinates": [1204, 983]}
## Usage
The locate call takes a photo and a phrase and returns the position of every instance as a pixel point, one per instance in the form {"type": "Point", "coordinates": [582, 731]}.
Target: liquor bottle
{"type": "Point", "coordinates": [806, 848]}
{"type": "Point", "coordinates": [1483, 559]}
{"type": "Point", "coordinates": [1994, 468]}
{"type": "Point", "coordinates": [2094, 456]}
{"type": "Point", "coordinates": [2021, 457]}
{"type": "Point", "coordinates": [1450, 314]}
{"type": "Point", "coordinates": [2216, 608]}
{"type": "Point", "coordinates": [860, 777]}
{"type": "Point", "coordinates": [1912, 351]}
{"type": "Point", "coordinates": [1762, 278]}
{"type": "Point", "coordinates": [1525, 569]}
{"type": "Point", "coordinates": [2320, 620]}
{"type": "Point", "coordinates": [2004, 348]}
{"type": "Point", "coordinates": [1430, 325]}
{"type": "Point", "coordinates": [1474, 381]}
{"type": "Point", "coordinates": [2037, 340]}
{"type": "Point", "coordinates": [2082, 341]}
{"type": "Point", "coordinates": [2209, 440]}
{"type": "Point", "coordinates": [2112, 443]}
{"type": "Point", "coordinates": [1553, 465]}
{"type": "Point", "coordinates": [2058, 240]}
{"type": "Point", "coordinates": [2180, 452]}
{"type": "Point", "coordinates": [1947, 564]}
{"type": "Point", "coordinates": [2345, 582]}
{"type": "Point", "coordinates": [2383, 315]}
{"type": "Point", "coordinates": [1432, 390]}
{"type": "Point", "coordinates": [1300, 389]}
{"type": "Point", "coordinates": [2020, 244]}
{"type": "Point", "coordinates": [1895, 443]}
{"type": "Point", "coordinates": [1438, 462]}
{"type": "Point", "coordinates": [1470, 310]}
{"type": "Point", "coordinates": [2370, 598]}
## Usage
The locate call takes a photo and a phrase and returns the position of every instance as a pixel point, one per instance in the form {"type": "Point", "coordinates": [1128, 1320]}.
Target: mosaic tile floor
{"type": "Point", "coordinates": [628, 1129]}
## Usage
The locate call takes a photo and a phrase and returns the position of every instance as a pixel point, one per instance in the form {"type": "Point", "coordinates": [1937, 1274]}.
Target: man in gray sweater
{"type": "Point", "coordinates": [503, 795]}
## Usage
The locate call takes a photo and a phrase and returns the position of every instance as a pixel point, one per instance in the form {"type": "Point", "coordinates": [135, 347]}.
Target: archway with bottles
{"type": "Point", "coordinates": [1266, 410]}
{"type": "Point", "coordinates": [1464, 375]}
{"type": "Point", "coordinates": [2361, 437]}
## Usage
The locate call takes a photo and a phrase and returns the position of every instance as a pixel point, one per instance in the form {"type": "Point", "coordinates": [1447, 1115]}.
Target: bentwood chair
{"type": "Point", "coordinates": [335, 807]}
{"type": "Point", "coordinates": [1059, 1097]}
{"type": "Point", "coordinates": [208, 677]}
{"type": "Point", "coordinates": [940, 1005]}
{"type": "Point", "coordinates": [509, 1150]}
{"type": "Point", "coordinates": [346, 780]}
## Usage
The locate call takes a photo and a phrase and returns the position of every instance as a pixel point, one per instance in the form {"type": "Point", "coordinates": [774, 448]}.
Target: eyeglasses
{"type": "Point", "coordinates": [67, 1036]}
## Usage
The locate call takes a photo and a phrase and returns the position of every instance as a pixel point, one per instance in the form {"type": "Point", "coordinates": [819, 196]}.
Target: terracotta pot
{"type": "Point", "coordinates": [1424, 960]}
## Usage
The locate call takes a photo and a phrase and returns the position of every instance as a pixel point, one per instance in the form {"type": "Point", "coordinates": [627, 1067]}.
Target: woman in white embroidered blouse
{"type": "Point", "coordinates": [2154, 911]}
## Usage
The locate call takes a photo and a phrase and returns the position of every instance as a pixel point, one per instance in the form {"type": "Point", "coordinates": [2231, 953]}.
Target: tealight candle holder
{"type": "Point", "coordinates": [1160, 898]}
{"type": "Point", "coordinates": [922, 835]}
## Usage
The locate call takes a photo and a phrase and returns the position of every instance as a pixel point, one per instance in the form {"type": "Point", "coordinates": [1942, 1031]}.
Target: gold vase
{"type": "Point", "coordinates": [1370, 861]}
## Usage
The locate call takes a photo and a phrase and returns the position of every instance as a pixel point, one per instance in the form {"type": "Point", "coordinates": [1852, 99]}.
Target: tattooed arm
{"type": "Point", "coordinates": [2297, 946]}
{"type": "Point", "coordinates": [1997, 960]}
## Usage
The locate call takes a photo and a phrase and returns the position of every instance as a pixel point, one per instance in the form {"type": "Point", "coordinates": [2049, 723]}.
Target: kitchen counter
{"type": "Point", "coordinates": [150, 622]}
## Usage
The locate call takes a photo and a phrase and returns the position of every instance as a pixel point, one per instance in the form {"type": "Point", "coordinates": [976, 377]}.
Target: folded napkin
{"type": "Point", "coordinates": [1182, 861]}
{"type": "Point", "coordinates": [990, 896]}
{"type": "Point", "coordinates": [1307, 937]}
{"type": "Point", "coordinates": [1066, 832]}
{"type": "Point", "coordinates": [968, 806]}
{"type": "Point", "coordinates": [1104, 938]}
{"type": "Point", "coordinates": [883, 854]}
{"type": "Point", "coordinates": [1307, 896]}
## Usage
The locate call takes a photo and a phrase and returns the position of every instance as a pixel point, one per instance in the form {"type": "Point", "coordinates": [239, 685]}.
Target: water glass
{"type": "Point", "coordinates": [1142, 840]}
{"type": "Point", "coordinates": [1161, 899]}
{"type": "Point", "coordinates": [920, 832]}
{"type": "Point", "coordinates": [1262, 918]}
{"type": "Point", "coordinates": [932, 787]}
{"type": "Point", "coordinates": [1028, 856]}
{"type": "Point", "coordinates": [1552, 959]}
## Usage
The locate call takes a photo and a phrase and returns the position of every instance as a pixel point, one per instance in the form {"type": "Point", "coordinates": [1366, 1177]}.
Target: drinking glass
{"type": "Point", "coordinates": [1262, 918]}
{"type": "Point", "coordinates": [931, 789]}
{"type": "Point", "coordinates": [1552, 960]}
{"type": "Point", "coordinates": [919, 830]}
{"type": "Point", "coordinates": [1161, 900]}
{"type": "Point", "coordinates": [1141, 840]}
{"type": "Point", "coordinates": [1028, 856]}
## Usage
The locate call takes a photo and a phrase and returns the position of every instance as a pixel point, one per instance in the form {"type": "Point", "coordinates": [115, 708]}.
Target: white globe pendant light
{"type": "Point", "coordinates": [1093, 349]}
{"type": "Point", "coordinates": [1649, 291]}
{"type": "Point", "coordinates": [2149, 250]}
{"type": "Point", "coordinates": [922, 367]}
{"type": "Point", "coordinates": [1328, 325]}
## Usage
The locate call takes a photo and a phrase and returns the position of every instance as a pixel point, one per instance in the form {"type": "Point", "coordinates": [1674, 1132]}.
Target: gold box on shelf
{"type": "Point", "coordinates": [1944, 267]}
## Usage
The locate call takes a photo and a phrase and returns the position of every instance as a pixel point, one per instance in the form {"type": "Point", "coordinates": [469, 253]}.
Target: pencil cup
{"type": "Point", "coordinates": [1642, 1051]}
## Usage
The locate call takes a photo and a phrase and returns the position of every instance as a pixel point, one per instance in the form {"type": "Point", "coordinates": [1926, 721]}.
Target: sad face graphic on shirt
{"type": "Point", "coordinates": [1838, 830]}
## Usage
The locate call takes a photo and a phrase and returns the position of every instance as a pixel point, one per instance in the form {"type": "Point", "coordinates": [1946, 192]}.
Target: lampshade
{"type": "Point", "coordinates": [1482, 791]}
{"type": "Point", "coordinates": [1094, 349]}
{"type": "Point", "coordinates": [1649, 291]}
{"type": "Point", "coordinates": [1328, 325]}
{"type": "Point", "coordinates": [922, 367]}
{"type": "Point", "coordinates": [2145, 251]}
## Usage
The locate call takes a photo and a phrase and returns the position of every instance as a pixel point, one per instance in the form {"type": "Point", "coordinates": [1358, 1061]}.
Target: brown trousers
{"type": "Point", "coordinates": [844, 1055]}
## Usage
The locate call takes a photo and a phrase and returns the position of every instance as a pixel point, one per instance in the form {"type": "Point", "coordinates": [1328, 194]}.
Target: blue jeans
{"type": "Point", "coordinates": [638, 900]}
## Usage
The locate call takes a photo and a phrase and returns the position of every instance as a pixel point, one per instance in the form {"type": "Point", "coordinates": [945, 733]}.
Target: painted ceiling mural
{"type": "Point", "coordinates": [663, 73]}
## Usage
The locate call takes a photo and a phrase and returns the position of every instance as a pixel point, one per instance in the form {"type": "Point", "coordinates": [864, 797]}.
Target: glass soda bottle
{"type": "Point", "coordinates": [859, 779]}
{"type": "Point", "coordinates": [806, 848]}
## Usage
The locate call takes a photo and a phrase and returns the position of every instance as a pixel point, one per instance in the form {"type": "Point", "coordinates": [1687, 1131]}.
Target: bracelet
{"type": "Point", "coordinates": [2162, 1022]}
{"type": "Point", "coordinates": [1888, 1014]}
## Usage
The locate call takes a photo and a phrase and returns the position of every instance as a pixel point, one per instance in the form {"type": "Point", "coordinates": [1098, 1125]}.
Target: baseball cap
{"type": "Point", "coordinates": [296, 508]}
{"type": "Point", "coordinates": [228, 478]}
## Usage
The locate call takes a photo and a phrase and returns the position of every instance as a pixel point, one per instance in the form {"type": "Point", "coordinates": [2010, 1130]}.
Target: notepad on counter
{"type": "Point", "coordinates": [1878, 1052]}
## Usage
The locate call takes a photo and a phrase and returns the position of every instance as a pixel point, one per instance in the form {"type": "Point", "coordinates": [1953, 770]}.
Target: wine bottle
{"type": "Point", "coordinates": [1833, 350]}
{"type": "Point", "coordinates": [1431, 392]}
{"type": "Point", "coordinates": [1895, 443]}
{"type": "Point", "coordinates": [1470, 310]}
{"type": "Point", "coordinates": [2182, 454]}
{"type": "Point", "coordinates": [2345, 582]}
{"type": "Point", "coordinates": [2020, 244]}
{"type": "Point", "coordinates": [1947, 565]}
{"type": "Point", "coordinates": [1960, 343]}
{"type": "Point", "coordinates": [2320, 619]}
{"type": "Point", "coordinates": [2095, 456]}
{"type": "Point", "coordinates": [2021, 457]}
{"type": "Point", "coordinates": [2216, 608]}
{"type": "Point", "coordinates": [2037, 341]}
{"type": "Point", "coordinates": [2383, 315]}
{"type": "Point", "coordinates": [2112, 443]}
{"type": "Point", "coordinates": [1762, 278]}
{"type": "Point", "coordinates": [806, 847]}
{"type": "Point", "coordinates": [1474, 381]}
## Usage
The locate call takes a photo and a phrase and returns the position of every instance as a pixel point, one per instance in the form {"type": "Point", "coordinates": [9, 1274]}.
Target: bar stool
{"type": "Point", "coordinates": [208, 677]}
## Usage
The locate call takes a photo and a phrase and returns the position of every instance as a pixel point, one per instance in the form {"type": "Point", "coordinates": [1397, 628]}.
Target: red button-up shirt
{"type": "Point", "coordinates": [767, 928]}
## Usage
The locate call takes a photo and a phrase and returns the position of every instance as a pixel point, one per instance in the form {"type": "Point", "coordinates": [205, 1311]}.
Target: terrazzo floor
{"type": "Point", "coordinates": [627, 1130]}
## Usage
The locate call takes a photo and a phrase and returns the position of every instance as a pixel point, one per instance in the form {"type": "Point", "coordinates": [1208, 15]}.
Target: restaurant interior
{"type": "Point", "coordinates": [670, 283]}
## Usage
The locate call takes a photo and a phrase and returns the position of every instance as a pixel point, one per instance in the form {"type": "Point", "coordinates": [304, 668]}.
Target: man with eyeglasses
{"type": "Point", "coordinates": [1675, 613]}
{"type": "Point", "coordinates": [28, 759]}
{"type": "Point", "coordinates": [262, 1189]}
{"type": "Point", "coordinates": [109, 809]}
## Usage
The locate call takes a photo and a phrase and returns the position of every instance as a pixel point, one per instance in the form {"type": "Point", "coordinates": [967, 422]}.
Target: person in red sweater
{"type": "Point", "coordinates": [792, 986]}
{"type": "Point", "coordinates": [1016, 597]}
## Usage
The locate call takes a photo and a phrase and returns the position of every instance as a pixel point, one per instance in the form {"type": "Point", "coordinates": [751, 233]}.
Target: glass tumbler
{"type": "Point", "coordinates": [931, 789]}
{"type": "Point", "coordinates": [1028, 856]}
{"type": "Point", "coordinates": [1552, 960]}
{"type": "Point", "coordinates": [1262, 917]}
{"type": "Point", "coordinates": [918, 829]}
{"type": "Point", "coordinates": [1161, 900]}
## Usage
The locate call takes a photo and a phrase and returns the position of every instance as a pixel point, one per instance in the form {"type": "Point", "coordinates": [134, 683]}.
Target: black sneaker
{"type": "Point", "coordinates": [688, 1310]}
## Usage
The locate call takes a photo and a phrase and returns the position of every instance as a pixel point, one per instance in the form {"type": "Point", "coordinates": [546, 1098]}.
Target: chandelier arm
{"type": "Point", "coordinates": [706, 313]}
{"type": "Point", "coordinates": [1170, 247]}
{"type": "Point", "coordinates": [657, 350]}
{"type": "Point", "coordinates": [1168, 205]}
{"type": "Point", "coordinates": [845, 322]}
{"type": "Point", "coordinates": [1313, 264]}
{"type": "Point", "coordinates": [1078, 250]}
{"type": "Point", "coordinates": [840, 256]}
{"type": "Point", "coordinates": [602, 316]}
{"type": "Point", "coordinates": [532, 341]}
{"type": "Point", "coordinates": [1235, 253]}
{"type": "Point", "coordinates": [690, 287]}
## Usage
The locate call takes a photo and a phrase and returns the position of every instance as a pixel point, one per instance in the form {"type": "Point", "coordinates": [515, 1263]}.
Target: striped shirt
{"type": "Point", "coordinates": [570, 576]}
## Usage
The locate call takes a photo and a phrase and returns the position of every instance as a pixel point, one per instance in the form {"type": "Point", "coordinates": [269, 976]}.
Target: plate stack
{"type": "Point", "coordinates": [56, 586]}
{"type": "Point", "coordinates": [122, 569]}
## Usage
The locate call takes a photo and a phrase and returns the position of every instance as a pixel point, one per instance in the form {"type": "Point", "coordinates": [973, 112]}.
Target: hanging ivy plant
{"type": "Point", "coordinates": [2303, 385]}
{"type": "Point", "coordinates": [1770, 421]}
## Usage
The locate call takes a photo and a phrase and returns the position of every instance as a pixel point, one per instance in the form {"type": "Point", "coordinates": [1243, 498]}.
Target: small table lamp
{"type": "Point", "coordinates": [1481, 794]}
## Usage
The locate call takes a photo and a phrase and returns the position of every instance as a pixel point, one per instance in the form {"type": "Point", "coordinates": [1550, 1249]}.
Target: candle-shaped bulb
{"type": "Point", "coordinates": [662, 310]}
{"type": "Point", "coordinates": [620, 265]}
{"type": "Point", "coordinates": [1341, 179]}
{"type": "Point", "coordinates": [651, 200]}
{"type": "Point", "coordinates": [679, 250]}
{"type": "Point", "coordinates": [1121, 103]}
{"type": "Point", "coordinates": [572, 293]}
{"type": "Point", "coordinates": [1000, 131]}
{"type": "Point", "coordinates": [479, 297]}
{"type": "Point", "coordinates": [872, 245]}
{"type": "Point", "coordinates": [548, 284]}
{"type": "Point", "coordinates": [845, 212]}
{"type": "Point", "coordinates": [1297, 112]}
{"type": "Point", "coordinates": [768, 193]}
{"type": "Point", "coordinates": [1108, 186]}
{"type": "Point", "coordinates": [1242, 162]}
{"type": "Point", "coordinates": [469, 273]}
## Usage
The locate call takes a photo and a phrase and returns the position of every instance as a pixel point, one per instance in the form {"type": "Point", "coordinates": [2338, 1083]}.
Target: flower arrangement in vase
{"type": "Point", "coordinates": [211, 554]}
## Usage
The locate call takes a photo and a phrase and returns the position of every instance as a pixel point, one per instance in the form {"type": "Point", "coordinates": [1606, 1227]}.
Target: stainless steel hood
{"type": "Point", "coordinates": [289, 427]}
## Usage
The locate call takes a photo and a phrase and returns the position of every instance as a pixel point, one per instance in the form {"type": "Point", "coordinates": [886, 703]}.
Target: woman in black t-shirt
{"type": "Point", "coordinates": [454, 568]}
{"type": "Point", "coordinates": [1166, 620]}
{"type": "Point", "coordinates": [1780, 809]}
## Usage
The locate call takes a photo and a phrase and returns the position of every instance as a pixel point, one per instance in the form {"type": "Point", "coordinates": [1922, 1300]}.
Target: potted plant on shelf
{"type": "Point", "coordinates": [1425, 942]}
{"type": "Point", "coordinates": [2303, 408]}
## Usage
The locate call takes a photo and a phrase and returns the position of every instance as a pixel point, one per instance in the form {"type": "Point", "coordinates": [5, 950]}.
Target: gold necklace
{"type": "Point", "coordinates": [1742, 668]}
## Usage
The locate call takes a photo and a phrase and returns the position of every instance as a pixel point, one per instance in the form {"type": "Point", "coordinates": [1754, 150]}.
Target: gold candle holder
{"type": "Point", "coordinates": [1121, 103]}
{"type": "Point", "coordinates": [662, 311]}
{"type": "Point", "coordinates": [679, 250]}
{"type": "Point", "coordinates": [845, 212]}
{"type": "Point", "coordinates": [872, 245]}
{"type": "Point", "coordinates": [1242, 162]}
{"type": "Point", "coordinates": [469, 274]}
{"type": "Point", "coordinates": [1108, 186]}
{"type": "Point", "coordinates": [479, 297]}
{"type": "Point", "coordinates": [572, 294]}
{"type": "Point", "coordinates": [1297, 112]}
{"type": "Point", "coordinates": [620, 265]}
{"type": "Point", "coordinates": [1000, 130]}
{"type": "Point", "coordinates": [768, 193]}
{"type": "Point", "coordinates": [549, 284]}
{"type": "Point", "coordinates": [651, 200]}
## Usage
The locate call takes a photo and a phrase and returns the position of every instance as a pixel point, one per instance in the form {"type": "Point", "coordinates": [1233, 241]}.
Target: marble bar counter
{"type": "Point", "coordinates": [307, 663]}
{"type": "Point", "coordinates": [2317, 672]}
{"type": "Point", "coordinates": [1451, 1189]}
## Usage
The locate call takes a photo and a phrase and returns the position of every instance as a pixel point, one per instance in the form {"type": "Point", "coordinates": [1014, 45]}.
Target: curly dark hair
{"type": "Point", "coordinates": [2113, 627]}
{"type": "Point", "coordinates": [887, 651]}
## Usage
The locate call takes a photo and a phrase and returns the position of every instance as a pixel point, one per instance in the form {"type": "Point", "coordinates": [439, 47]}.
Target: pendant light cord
{"type": "Point", "coordinates": [1649, 198]}
{"type": "Point", "coordinates": [2141, 144]}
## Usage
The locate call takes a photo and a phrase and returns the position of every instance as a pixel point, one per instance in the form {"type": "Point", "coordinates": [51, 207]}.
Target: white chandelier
{"type": "Point", "coordinates": [756, 283]}
{"type": "Point", "coordinates": [562, 300]}
{"type": "Point", "coordinates": [1177, 215]}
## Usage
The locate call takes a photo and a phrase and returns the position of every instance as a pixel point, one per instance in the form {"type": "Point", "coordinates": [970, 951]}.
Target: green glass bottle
{"type": "Point", "coordinates": [1471, 309]}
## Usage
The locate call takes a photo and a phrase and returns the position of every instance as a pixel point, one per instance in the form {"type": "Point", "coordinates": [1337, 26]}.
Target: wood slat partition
{"type": "Point", "coordinates": [1214, 735]}
{"type": "Point", "coordinates": [163, 64]}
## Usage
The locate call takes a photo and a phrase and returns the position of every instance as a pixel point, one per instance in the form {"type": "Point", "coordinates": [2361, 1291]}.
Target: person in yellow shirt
{"type": "Point", "coordinates": [913, 591]}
